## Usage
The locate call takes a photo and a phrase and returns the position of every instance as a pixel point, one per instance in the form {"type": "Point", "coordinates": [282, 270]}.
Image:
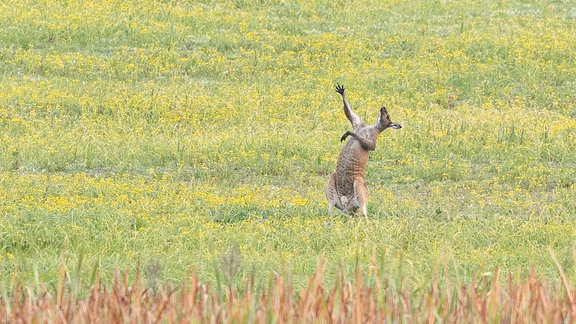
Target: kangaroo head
{"type": "Point", "coordinates": [384, 120]}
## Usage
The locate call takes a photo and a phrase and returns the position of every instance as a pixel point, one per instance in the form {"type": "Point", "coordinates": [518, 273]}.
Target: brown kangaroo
{"type": "Point", "coordinates": [346, 188]}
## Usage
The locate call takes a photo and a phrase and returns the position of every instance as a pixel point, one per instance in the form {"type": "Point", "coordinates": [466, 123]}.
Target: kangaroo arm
{"type": "Point", "coordinates": [366, 144]}
{"type": "Point", "coordinates": [352, 117]}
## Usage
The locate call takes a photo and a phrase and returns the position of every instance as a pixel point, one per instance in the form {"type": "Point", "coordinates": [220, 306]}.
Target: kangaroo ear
{"type": "Point", "coordinates": [382, 113]}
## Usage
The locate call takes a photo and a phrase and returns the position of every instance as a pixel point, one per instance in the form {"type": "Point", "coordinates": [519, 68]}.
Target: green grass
{"type": "Point", "coordinates": [173, 132]}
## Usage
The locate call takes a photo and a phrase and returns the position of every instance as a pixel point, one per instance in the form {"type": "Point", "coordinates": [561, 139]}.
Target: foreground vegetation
{"type": "Point", "coordinates": [368, 299]}
{"type": "Point", "coordinates": [173, 133]}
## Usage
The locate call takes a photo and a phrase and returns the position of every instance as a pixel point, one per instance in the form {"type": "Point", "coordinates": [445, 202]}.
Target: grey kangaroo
{"type": "Point", "coordinates": [346, 188]}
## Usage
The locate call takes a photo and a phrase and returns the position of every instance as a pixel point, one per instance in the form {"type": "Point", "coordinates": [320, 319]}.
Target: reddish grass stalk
{"type": "Point", "coordinates": [529, 300]}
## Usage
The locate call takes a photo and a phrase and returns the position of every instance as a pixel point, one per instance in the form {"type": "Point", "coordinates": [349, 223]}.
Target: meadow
{"type": "Point", "coordinates": [198, 136]}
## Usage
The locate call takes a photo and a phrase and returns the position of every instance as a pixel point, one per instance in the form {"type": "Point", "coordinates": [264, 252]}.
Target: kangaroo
{"type": "Point", "coordinates": [346, 188]}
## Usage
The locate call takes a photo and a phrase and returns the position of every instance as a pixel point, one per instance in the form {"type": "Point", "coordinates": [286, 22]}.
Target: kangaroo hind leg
{"type": "Point", "coordinates": [361, 195]}
{"type": "Point", "coordinates": [331, 194]}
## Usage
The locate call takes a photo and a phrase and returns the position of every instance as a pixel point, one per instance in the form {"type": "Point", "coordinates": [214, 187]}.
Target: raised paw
{"type": "Point", "coordinates": [340, 88]}
{"type": "Point", "coordinates": [344, 136]}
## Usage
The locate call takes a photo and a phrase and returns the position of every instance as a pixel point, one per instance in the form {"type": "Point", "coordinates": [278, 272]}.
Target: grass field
{"type": "Point", "coordinates": [199, 136]}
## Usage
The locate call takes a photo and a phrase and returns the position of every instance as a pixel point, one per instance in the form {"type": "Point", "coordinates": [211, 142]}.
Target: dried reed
{"type": "Point", "coordinates": [511, 301]}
